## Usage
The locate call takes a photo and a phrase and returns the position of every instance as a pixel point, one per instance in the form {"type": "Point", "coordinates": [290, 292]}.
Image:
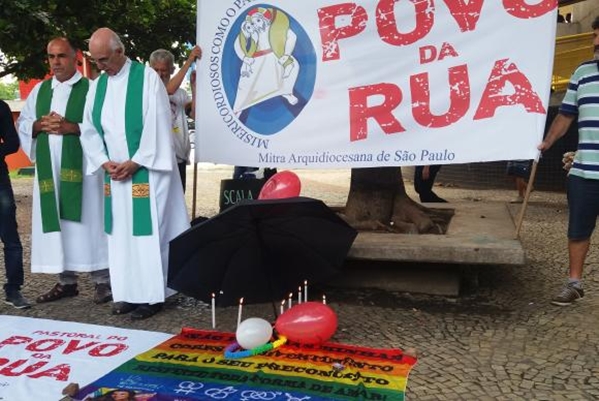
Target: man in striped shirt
{"type": "Point", "coordinates": [581, 102]}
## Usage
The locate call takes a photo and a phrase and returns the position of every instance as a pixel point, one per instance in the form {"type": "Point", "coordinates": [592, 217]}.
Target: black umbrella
{"type": "Point", "coordinates": [260, 250]}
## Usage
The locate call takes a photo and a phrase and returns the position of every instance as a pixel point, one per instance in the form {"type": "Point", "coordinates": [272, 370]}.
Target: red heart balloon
{"type": "Point", "coordinates": [285, 184]}
{"type": "Point", "coordinates": [307, 323]}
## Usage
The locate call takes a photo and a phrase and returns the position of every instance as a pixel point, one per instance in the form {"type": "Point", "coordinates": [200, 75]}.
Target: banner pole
{"type": "Point", "coordinates": [531, 180]}
{"type": "Point", "coordinates": [195, 187]}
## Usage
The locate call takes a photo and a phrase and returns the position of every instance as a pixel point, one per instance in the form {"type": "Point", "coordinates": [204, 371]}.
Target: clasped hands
{"type": "Point", "coordinates": [121, 171]}
{"type": "Point", "coordinates": [56, 124]}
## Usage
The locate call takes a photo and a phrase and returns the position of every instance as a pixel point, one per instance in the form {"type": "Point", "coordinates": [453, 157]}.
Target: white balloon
{"type": "Point", "coordinates": [253, 332]}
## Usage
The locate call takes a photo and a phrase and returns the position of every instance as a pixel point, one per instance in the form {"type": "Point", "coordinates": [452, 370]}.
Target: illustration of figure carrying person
{"type": "Point", "coordinates": [265, 45]}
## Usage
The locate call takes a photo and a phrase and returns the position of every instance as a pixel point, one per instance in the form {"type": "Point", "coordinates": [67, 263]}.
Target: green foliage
{"type": "Point", "coordinates": [9, 91]}
{"type": "Point", "coordinates": [26, 26]}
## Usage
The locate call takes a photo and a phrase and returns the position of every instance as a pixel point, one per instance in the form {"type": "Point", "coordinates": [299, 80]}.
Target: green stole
{"type": "Point", "coordinates": [142, 217]}
{"type": "Point", "coordinates": [71, 164]}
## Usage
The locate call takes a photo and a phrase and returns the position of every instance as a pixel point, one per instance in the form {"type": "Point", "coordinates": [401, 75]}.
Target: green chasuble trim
{"type": "Point", "coordinates": [97, 121]}
{"type": "Point", "coordinates": [71, 175]}
{"type": "Point", "coordinates": [142, 217]}
{"type": "Point", "coordinates": [134, 125]}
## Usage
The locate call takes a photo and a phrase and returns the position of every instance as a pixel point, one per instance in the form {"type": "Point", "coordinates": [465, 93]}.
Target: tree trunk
{"type": "Point", "coordinates": [378, 201]}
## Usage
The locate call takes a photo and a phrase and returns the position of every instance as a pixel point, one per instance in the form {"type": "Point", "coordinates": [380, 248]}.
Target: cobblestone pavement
{"type": "Point", "coordinates": [499, 341]}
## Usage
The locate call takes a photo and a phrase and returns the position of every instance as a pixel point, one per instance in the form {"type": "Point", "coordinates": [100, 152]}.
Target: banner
{"type": "Point", "coordinates": [325, 84]}
{"type": "Point", "coordinates": [191, 366]}
{"type": "Point", "coordinates": [39, 357]}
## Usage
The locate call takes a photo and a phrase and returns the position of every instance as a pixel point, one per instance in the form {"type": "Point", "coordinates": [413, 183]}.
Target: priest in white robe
{"type": "Point", "coordinates": [126, 136]}
{"type": "Point", "coordinates": [67, 233]}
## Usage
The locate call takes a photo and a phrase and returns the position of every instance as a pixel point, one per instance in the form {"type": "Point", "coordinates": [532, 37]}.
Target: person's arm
{"type": "Point", "coordinates": [558, 128]}
{"type": "Point", "coordinates": [156, 146]}
{"type": "Point", "coordinates": [10, 140]}
{"type": "Point", "coordinates": [178, 78]}
{"type": "Point", "coordinates": [28, 125]}
{"type": "Point", "coordinates": [91, 141]}
{"type": "Point", "coordinates": [568, 111]}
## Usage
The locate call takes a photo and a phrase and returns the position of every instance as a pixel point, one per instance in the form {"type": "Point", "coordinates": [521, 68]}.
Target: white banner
{"type": "Point", "coordinates": [39, 357]}
{"type": "Point", "coordinates": [320, 84]}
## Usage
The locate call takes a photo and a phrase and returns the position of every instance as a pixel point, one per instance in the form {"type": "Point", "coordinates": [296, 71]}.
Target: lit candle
{"type": "Point", "coordinates": [324, 299]}
{"type": "Point", "coordinates": [305, 290]}
{"type": "Point", "coordinates": [282, 306]}
{"type": "Point", "coordinates": [239, 313]}
{"type": "Point", "coordinates": [213, 311]}
{"type": "Point", "coordinates": [289, 300]}
{"type": "Point", "coordinates": [299, 295]}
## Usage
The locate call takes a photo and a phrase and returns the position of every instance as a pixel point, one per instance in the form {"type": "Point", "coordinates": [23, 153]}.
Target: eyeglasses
{"type": "Point", "coordinates": [102, 60]}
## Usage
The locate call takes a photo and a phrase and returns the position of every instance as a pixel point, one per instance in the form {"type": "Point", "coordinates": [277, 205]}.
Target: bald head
{"type": "Point", "coordinates": [107, 51]}
{"type": "Point", "coordinates": [106, 37]}
{"type": "Point", "coordinates": [62, 58]}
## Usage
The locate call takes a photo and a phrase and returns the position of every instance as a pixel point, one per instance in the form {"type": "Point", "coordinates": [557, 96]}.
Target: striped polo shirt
{"type": "Point", "coordinates": [582, 100]}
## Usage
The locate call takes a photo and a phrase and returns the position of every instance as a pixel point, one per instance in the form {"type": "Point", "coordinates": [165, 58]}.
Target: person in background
{"type": "Point", "coordinates": [181, 106]}
{"type": "Point", "coordinates": [243, 172]}
{"type": "Point", "coordinates": [519, 172]}
{"type": "Point", "coordinates": [9, 234]}
{"type": "Point", "coordinates": [424, 178]}
{"type": "Point", "coordinates": [67, 235]}
{"type": "Point", "coordinates": [127, 137]}
{"type": "Point", "coordinates": [580, 103]}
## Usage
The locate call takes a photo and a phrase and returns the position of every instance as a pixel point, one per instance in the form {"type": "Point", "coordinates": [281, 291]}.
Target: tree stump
{"type": "Point", "coordinates": [378, 201]}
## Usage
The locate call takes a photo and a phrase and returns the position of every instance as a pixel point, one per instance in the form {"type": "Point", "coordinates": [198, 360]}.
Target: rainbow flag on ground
{"type": "Point", "coordinates": [191, 366]}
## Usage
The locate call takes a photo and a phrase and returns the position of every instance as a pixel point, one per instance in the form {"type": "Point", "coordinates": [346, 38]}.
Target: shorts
{"type": "Point", "coordinates": [518, 168]}
{"type": "Point", "coordinates": [583, 202]}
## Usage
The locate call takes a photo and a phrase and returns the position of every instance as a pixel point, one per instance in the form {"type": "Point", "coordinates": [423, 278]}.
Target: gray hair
{"type": "Point", "coordinates": [161, 55]}
{"type": "Point", "coordinates": [116, 42]}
